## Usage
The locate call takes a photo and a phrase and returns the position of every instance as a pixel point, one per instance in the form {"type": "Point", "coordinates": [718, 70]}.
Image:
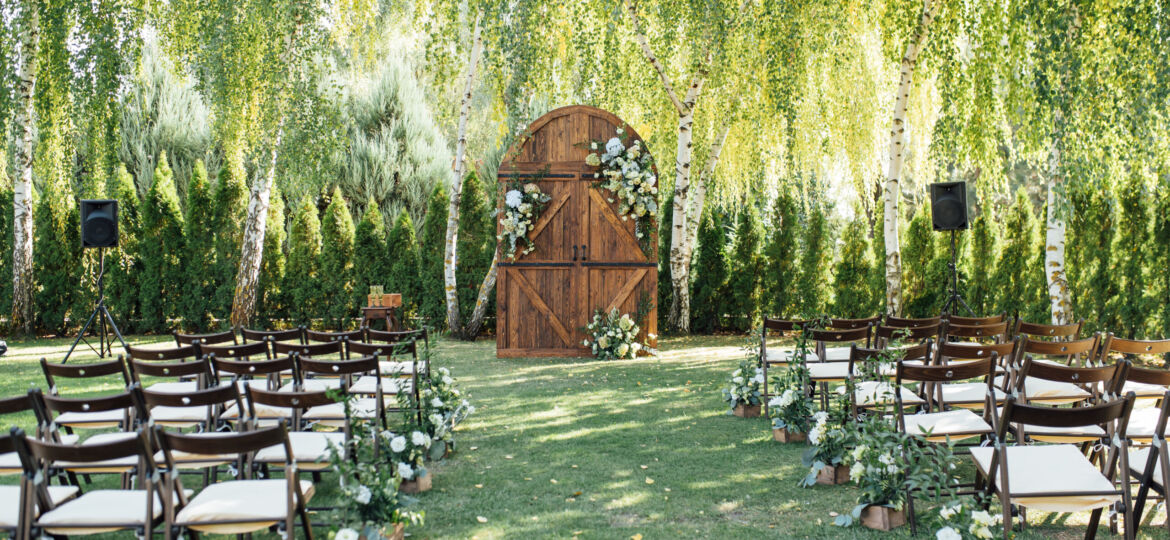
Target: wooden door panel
{"type": "Point", "coordinates": [621, 288]}
{"type": "Point", "coordinates": [559, 226]}
{"type": "Point", "coordinates": [610, 238]}
{"type": "Point", "coordinates": [541, 311]}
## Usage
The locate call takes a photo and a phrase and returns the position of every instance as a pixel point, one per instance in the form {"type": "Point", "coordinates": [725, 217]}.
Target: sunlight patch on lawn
{"type": "Point", "coordinates": [587, 432]}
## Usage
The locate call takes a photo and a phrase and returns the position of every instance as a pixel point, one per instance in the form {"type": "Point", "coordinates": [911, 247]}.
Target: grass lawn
{"type": "Point", "coordinates": [563, 448]}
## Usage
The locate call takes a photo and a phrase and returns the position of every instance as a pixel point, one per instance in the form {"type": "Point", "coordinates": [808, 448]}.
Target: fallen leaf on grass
{"type": "Point", "coordinates": [509, 456]}
{"type": "Point", "coordinates": [479, 486]}
{"type": "Point", "coordinates": [576, 493]}
{"type": "Point", "coordinates": [552, 480]}
{"type": "Point", "coordinates": [644, 467]}
{"type": "Point", "coordinates": [649, 480]}
{"type": "Point", "coordinates": [636, 537]}
{"type": "Point", "coordinates": [481, 519]}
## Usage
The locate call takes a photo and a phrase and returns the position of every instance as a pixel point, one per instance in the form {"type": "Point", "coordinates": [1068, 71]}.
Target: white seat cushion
{"type": "Point", "coordinates": [1054, 391]}
{"type": "Point", "coordinates": [968, 395]}
{"type": "Point", "coordinates": [1050, 469]}
{"type": "Point", "coordinates": [92, 420]}
{"type": "Point", "coordinates": [362, 408]}
{"type": "Point", "coordinates": [786, 355]}
{"type": "Point", "coordinates": [391, 368]}
{"type": "Point", "coordinates": [313, 385]}
{"type": "Point", "coordinates": [1137, 464]}
{"type": "Point", "coordinates": [99, 511]}
{"type": "Point", "coordinates": [257, 504]}
{"type": "Point", "coordinates": [1076, 434]}
{"type": "Point", "coordinates": [828, 371]}
{"type": "Point", "coordinates": [181, 417]}
{"type": "Point", "coordinates": [174, 387]}
{"type": "Point", "coordinates": [1143, 423]}
{"type": "Point", "coordinates": [10, 502]}
{"type": "Point", "coordinates": [958, 425]}
{"type": "Point", "coordinates": [310, 449]}
{"type": "Point", "coordinates": [837, 354]}
{"type": "Point", "coordinates": [874, 393]}
{"type": "Point", "coordinates": [107, 466]}
{"type": "Point", "coordinates": [1143, 389]}
{"type": "Point", "coordinates": [390, 385]}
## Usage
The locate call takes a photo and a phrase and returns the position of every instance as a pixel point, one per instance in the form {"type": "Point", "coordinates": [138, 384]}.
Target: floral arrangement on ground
{"type": "Point", "coordinates": [613, 336]}
{"type": "Point", "coordinates": [744, 386]}
{"type": "Point", "coordinates": [627, 172]}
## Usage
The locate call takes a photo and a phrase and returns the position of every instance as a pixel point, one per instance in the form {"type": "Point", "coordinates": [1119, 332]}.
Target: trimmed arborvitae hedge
{"type": "Point", "coordinates": [783, 255]}
{"type": "Point", "coordinates": [161, 248]}
{"type": "Point", "coordinates": [1161, 260]}
{"type": "Point", "coordinates": [854, 297]}
{"type": "Point", "coordinates": [917, 253]}
{"type": "Point", "coordinates": [476, 244]}
{"type": "Point", "coordinates": [6, 238]}
{"type": "Point", "coordinates": [272, 264]}
{"type": "Point", "coordinates": [402, 257]}
{"type": "Point", "coordinates": [985, 234]}
{"type": "Point", "coordinates": [57, 249]}
{"type": "Point", "coordinates": [1020, 275]}
{"type": "Point", "coordinates": [1131, 246]}
{"type": "Point", "coordinates": [709, 289]}
{"type": "Point", "coordinates": [336, 275]}
{"type": "Point", "coordinates": [199, 286]}
{"type": "Point", "coordinates": [433, 306]}
{"type": "Point", "coordinates": [744, 284]}
{"type": "Point", "coordinates": [816, 259]}
{"type": "Point", "coordinates": [370, 265]}
{"type": "Point", "coordinates": [229, 210]}
{"type": "Point", "coordinates": [123, 265]}
{"type": "Point", "coordinates": [301, 291]}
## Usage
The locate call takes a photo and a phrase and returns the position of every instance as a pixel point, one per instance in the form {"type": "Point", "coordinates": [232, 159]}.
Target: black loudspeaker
{"type": "Point", "coordinates": [948, 205]}
{"type": "Point", "coordinates": [99, 223]}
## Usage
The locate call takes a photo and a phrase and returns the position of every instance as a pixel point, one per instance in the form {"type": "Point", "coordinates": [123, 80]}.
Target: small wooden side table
{"type": "Point", "coordinates": [387, 311]}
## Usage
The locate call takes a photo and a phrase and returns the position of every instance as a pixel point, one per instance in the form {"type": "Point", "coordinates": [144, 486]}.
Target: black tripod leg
{"type": "Point", "coordinates": [81, 334]}
{"type": "Point", "coordinates": [114, 325]}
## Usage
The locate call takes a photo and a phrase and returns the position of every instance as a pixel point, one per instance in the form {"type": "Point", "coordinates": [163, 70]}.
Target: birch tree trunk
{"type": "Point", "coordinates": [255, 228]}
{"type": "Point", "coordinates": [475, 324]}
{"type": "Point", "coordinates": [695, 212]}
{"type": "Point", "coordinates": [22, 227]}
{"type": "Point", "coordinates": [450, 254]}
{"type": "Point", "coordinates": [1060, 302]}
{"type": "Point", "coordinates": [897, 157]}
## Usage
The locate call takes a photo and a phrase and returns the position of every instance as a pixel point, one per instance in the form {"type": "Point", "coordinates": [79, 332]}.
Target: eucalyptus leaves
{"type": "Point", "coordinates": [627, 172]}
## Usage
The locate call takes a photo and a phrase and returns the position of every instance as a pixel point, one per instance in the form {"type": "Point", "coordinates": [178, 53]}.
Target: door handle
{"type": "Point", "coordinates": [584, 252]}
{"type": "Point", "coordinates": [574, 252]}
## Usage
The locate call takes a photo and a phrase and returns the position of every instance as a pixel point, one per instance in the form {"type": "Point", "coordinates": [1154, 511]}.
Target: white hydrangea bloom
{"type": "Point", "coordinates": [405, 471]}
{"type": "Point", "coordinates": [420, 439]}
{"type": "Point", "coordinates": [346, 534]}
{"type": "Point", "coordinates": [513, 198]}
{"type": "Point", "coordinates": [948, 533]}
{"type": "Point", "coordinates": [614, 147]}
{"type": "Point", "coordinates": [398, 444]}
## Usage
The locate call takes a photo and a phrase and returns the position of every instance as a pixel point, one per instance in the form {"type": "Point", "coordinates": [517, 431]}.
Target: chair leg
{"type": "Point", "coordinates": [305, 523]}
{"type": "Point", "coordinates": [910, 513]}
{"type": "Point", "coordinates": [1091, 531]}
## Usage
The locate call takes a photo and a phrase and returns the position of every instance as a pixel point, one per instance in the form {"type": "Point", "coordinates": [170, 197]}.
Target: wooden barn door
{"type": "Point", "coordinates": [586, 257]}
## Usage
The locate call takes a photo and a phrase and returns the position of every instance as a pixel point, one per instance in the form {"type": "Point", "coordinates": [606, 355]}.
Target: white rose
{"type": "Point", "coordinates": [623, 349]}
{"type": "Point", "coordinates": [346, 534]}
{"type": "Point", "coordinates": [982, 517]}
{"type": "Point", "coordinates": [363, 495]}
{"type": "Point", "coordinates": [436, 403]}
{"type": "Point", "coordinates": [948, 533]}
{"type": "Point", "coordinates": [398, 444]}
{"type": "Point", "coordinates": [420, 439]}
{"type": "Point", "coordinates": [948, 512]}
{"type": "Point", "coordinates": [405, 471]}
{"type": "Point", "coordinates": [856, 472]}
{"type": "Point", "coordinates": [447, 380]}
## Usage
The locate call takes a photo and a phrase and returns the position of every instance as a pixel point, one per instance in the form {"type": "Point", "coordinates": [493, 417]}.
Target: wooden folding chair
{"type": "Point", "coordinates": [236, 506]}
{"type": "Point", "coordinates": [214, 338]}
{"type": "Point", "coordinates": [142, 356]}
{"type": "Point", "coordinates": [199, 371]}
{"type": "Point", "coordinates": [1135, 349]}
{"type": "Point", "coordinates": [387, 352]}
{"type": "Point", "coordinates": [990, 319]}
{"type": "Point", "coordinates": [202, 409]}
{"type": "Point", "coordinates": [903, 322]}
{"type": "Point", "coordinates": [1058, 477]}
{"type": "Point", "coordinates": [1091, 385]}
{"type": "Point", "coordinates": [96, 511]}
{"type": "Point", "coordinates": [127, 406]}
{"type": "Point", "coordinates": [838, 353]}
{"type": "Point", "coordinates": [778, 357]}
{"type": "Point", "coordinates": [971, 395]}
{"type": "Point", "coordinates": [266, 374]}
{"type": "Point", "coordinates": [979, 333]}
{"type": "Point", "coordinates": [831, 367]}
{"type": "Point", "coordinates": [90, 373]}
{"type": "Point", "coordinates": [361, 376]}
{"type": "Point", "coordinates": [1143, 421]}
{"type": "Point", "coordinates": [9, 461]}
{"type": "Point", "coordinates": [16, 500]}
{"type": "Point", "coordinates": [1051, 332]}
{"type": "Point", "coordinates": [310, 449]}
{"type": "Point", "coordinates": [1151, 466]}
{"type": "Point", "coordinates": [880, 394]}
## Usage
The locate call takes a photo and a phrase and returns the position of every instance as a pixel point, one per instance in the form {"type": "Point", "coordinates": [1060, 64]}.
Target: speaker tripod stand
{"type": "Point", "coordinates": [102, 316]}
{"type": "Point", "coordinates": [954, 298]}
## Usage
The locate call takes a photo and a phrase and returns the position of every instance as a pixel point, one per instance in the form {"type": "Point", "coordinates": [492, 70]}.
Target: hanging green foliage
{"type": "Point", "coordinates": [199, 231]}
{"type": "Point", "coordinates": [162, 283]}
{"type": "Point", "coordinates": [336, 277]}
{"type": "Point", "coordinates": [747, 265]}
{"type": "Point", "coordinates": [854, 297]}
{"type": "Point", "coordinates": [477, 243]}
{"type": "Point", "coordinates": [782, 254]}
{"type": "Point", "coordinates": [816, 257]}
{"type": "Point", "coordinates": [370, 264]}
{"type": "Point", "coordinates": [402, 255]}
{"type": "Point", "coordinates": [1020, 274]}
{"type": "Point", "coordinates": [432, 306]}
{"type": "Point", "coordinates": [709, 289]}
{"type": "Point", "coordinates": [301, 291]}
{"type": "Point", "coordinates": [229, 210]}
{"type": "Point", "coordinates": [123, 263]}
{"type": "Point", "coordinates": [272, 265]}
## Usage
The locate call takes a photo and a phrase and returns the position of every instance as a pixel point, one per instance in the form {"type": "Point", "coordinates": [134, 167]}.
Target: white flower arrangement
{"type": "Point", "coordinates": [523, 204]}
{"type": "Point", "coordinates": [829, 439]}
{"type": "Point", "coordinates": [443, 407]}
{"type": "Point", "coordinates": [961, 521]}
{"type": "Point", "coordinates": [744, 387]}
{"type": "Point", "coordinates": [614, 336]}
{"type": "Point", "coordinates": [627, 172]}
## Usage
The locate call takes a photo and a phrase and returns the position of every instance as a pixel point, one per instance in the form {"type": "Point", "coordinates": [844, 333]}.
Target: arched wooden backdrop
{"type": "Point", "coordinates": [586, 257]}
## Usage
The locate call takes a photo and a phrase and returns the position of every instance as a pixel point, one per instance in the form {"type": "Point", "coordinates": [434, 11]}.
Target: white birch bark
{"type": "Point", "coordinates": [695, 212]}
{"type": "Point", "coordinates": [450, 255]}
{"type": "Point", "coordinates": [475, 323]}
{"type": "Point", "coordinates": [1060, 301]}
{"type": "Point", "coordinates": [256, 223]}
{"type": "Point", "coordinates": [22, 229]}
{"type": "Point", "coordinates": [897, 157]}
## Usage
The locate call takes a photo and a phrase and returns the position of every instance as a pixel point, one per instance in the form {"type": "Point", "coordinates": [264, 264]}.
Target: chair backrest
{"type": "Point", "coordinates": [850, 324]}
{"type": "Point", "coordinates": [1133, 347]}
{"type": "Point", "coordinates": [226, 394]}
{"type": "Point", "coordinates": [1083, 350]}
{"type": "Point", "coordinates": [359, 366]}
{"type": "Point", "coordinates": [53, 371]}
{"type": "Point", "coordinates": [1015, 412]}
{"type": "Point", "coordinates": [58, 405]}
{"type": "Point", "coordinates": [253, 369]}
{"type": "Point", "coordinates": [902, 322]}
{"type": "Point", "coordinates": [946, 351]}
{"type": "Point", "coordinates": [310, 350]}
{"type": "Point", "coordinates": [1036, 331]}
{"type": "Point", "coordinates": [246, 351]}
{"type": "Point", "coordinates": [984, 367]}
{"type": "Point", "coordinates": [921, 351]}
{"type": "Point", "coordinates": [381, 336]}
{"type": "Point", "coordinates": [184, 352]}
{"type": "Point", "coordinates": [840, 336]}
{"type": "Point", "coordinates": [246, 442]}
{"type": "Point", "coordinates": [993, 331]}
{"type": "Point", "coordinates": [214, 338]}
{"type": "Point", "coordinates": [884, 334]}
{"type": "Point", "coordinates": [291, 334]}
{"type": "Point", "coordinates": [93, 453]}
{"type": "Point", "coordinates": [314, 336]}
{"type": "Point", "coordinates": [976, 321]}
{"type": "Point", "coordinates": [383, 350]}
{"type": "Point", "coordinates": [15, 404]}
{"type": "Point", "coordinates": [1160, 377]}
{"type": "Point", "coordinates": [1100, 379]}
{"type": "Point", "coordinates": [783, 325]}
{"type": "Point", "coordinates": [201, 369]}
{"type": "Point", "coordinates": [295, 402]}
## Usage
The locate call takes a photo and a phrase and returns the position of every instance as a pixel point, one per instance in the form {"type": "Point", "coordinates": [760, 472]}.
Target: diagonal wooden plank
{"type": "Point", "coordinates": [626, 290]}
{"type": "Point", "coordinates": [614, 220]}
{"type": "Point", "coordinates": [542, 307]}
{"type": "Point", "coordinates": [547, 215]}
